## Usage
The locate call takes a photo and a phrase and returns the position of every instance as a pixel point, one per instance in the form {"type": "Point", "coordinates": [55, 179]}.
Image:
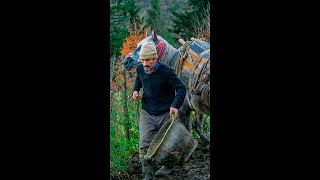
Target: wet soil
{"type": "Point", "coordinates": [196, 168]}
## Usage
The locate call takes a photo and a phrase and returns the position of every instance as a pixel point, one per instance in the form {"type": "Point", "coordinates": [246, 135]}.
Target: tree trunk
{"type": "Point", "coordinates": [125, 107]}
{"type": "Point", "coordinates": [112, 74]}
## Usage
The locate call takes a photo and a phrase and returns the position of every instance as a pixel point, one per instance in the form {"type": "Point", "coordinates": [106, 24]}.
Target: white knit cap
{"type": "Point", "coordinates": [148, 51]}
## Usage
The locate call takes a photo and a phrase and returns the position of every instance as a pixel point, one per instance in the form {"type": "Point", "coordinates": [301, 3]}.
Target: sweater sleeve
{"type": "Point", "coordinates": [137, 84]}
{"type": "Point", "coordinates": [179, 87]}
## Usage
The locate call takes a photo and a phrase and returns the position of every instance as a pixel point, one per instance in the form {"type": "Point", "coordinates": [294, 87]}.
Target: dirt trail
{"type": "Point", "coordinates": [197, 167]}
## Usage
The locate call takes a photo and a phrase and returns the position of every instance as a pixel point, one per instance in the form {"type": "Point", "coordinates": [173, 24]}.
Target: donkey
{"type": "Point", "coordinates": [197, 99]}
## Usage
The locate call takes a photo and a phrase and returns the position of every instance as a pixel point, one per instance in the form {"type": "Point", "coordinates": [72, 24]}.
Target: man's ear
{"type": "Point", "coordinates": [154, 36]}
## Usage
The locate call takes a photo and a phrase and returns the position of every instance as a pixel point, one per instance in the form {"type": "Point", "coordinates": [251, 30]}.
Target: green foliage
{"type": "Point", "coordinates": [182, 25]}
{"type": "Point", "coordinates": [206, 125]}
{"type": "Point", "coordinates": [153, 17]}
{"type": "Point", "coordinates": [186, 22]}
{"type": "Point", "coordinates": [120, 149]}
{"type": "Point", "coordinates": [199, 5]}
{"type": "Point", "coordinates": [173, 9]}
{"type": "Point", "coordinates": [123, 15]}
{"type": "Point", "coordinates": [116, 40]}
{"type": "Point", "coordinates": [133, 11]}
{"type": "Point", "coordinates": [171, 40]}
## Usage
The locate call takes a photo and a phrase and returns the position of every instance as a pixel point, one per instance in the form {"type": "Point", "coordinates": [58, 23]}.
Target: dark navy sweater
{"type": "Point", "coordinates": [159, 89]}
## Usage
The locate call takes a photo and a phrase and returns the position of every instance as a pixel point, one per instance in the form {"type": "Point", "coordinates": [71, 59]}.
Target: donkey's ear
{"type": "Point", "coordinates": [148, 33]}
{"type": "Point", "coordinates": [154, 36]}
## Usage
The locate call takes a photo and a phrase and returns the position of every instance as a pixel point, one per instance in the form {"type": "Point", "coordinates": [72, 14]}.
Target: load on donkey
{"type": "Point", "coordinates": [191, 63]}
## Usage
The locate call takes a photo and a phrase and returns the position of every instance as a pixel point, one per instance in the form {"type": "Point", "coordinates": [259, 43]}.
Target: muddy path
{"type": "Point", "coordinates": [196, 168]}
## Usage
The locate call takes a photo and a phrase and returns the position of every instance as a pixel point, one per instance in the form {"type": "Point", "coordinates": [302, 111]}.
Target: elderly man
{"type": "Point", "coordinates": [163, 95]}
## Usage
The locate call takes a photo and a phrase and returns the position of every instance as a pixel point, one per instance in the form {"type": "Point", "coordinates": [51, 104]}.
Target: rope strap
{"type": "Point", "coordinates": [177, 66]}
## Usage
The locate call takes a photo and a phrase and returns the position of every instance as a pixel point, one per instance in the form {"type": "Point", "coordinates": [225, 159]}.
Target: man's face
{"type": "Point", "coordinates": [149, 64]}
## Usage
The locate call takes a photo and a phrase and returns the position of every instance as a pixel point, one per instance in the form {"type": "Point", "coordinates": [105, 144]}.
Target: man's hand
{"type": "Point", "coordinates": [173, 112]}
{"type": "Point", "coordinates": [136, 96]}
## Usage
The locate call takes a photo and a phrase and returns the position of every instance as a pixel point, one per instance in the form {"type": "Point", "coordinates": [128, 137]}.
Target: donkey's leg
{"type": "Point", "coordinates": [184, 114]}
{"type": "Point", "coordinates": [199, 128]}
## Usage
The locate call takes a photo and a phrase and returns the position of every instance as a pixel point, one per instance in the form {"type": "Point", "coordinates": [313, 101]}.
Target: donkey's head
{"type": "Point", "coordinates": [133, 58]}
